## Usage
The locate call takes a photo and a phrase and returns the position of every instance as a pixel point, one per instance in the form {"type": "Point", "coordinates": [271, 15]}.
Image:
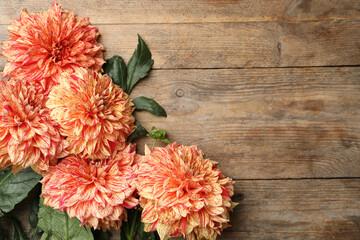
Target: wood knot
{"type": "Point", "coordinates": [180, 93]}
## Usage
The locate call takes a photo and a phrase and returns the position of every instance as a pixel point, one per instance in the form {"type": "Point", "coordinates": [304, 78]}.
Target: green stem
{"type": "Point", "coordinates": [154, 144]}
{"type": "Point", "coordinates": [130, 233]}
{"type": "Point", "coordinates": [133, 230]}
{"type": "Point", "coordinates": [127, 230]}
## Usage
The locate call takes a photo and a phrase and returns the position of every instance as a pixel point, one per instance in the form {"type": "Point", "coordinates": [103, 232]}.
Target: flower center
{"type": "Point", "coordinates": [60, 51]}
{"type": "Point", "coordinates": [97, 172]}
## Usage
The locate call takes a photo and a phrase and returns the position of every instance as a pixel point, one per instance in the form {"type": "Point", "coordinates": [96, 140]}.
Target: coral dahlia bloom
{"type": "Point", "coordinates": [28, 136]}
{"type": "Point", "coordinates": [182, 193]}
{"type": "Point", "coordinates": [43, 45]}
{"type": "Point", "coordinates": [94, 114]}
{"type": "Point", "coordinates": [94, 191]}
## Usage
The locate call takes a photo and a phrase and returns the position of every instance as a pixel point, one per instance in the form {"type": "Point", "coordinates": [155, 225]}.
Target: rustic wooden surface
{"type": "Point", "coordinates": [268, 88]}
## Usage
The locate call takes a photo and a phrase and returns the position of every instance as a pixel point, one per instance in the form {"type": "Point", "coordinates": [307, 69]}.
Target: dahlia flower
{"type": "Point", "coordinates": [43, 45]}
{"type": "Point", "coordinates": [94, 114]}
{"type": "Point", "coordinates": [94, 191]}
{"type": "Point", "coordinates": [28, 137]}
{"type": "Point", "coordinates": [182, 193]}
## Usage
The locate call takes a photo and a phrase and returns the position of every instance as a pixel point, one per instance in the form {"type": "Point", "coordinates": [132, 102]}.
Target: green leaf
{"type": "Point", "coordinates": [57, 225]}
{"type": "Point", "coordinates": [162, 133]}
{"type": "Point", "coordinates": [153, 130]}
{"type": "Point", "coordinates": [139, 64]}
{"type": "Point", "coordinates": [147, 235]}
{"type": "Point", "coordinates": [46, 236]}
{"type": "Point", "coordinates": [147, 104]}
{"type": "Point", "coordinates": [115, 68]}
{"type": "Point", "coordinates": [165, 141]}
{"type": "Point", "coordinates": [140, 131]}
{"type": "Point", "coordinates": [19, 233]}
{"type": "Point", "coordinates": [14, 188]}
{"type": "Point", "coordinates": [100, 235]}
{"type": "Point", "coordinates": [158, 134]}
{"type": "Point", "coordinates": [33, 215]}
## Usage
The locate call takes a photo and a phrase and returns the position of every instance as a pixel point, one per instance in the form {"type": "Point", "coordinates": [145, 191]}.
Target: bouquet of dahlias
{"type": "Point", "coordinates": [67, 122]}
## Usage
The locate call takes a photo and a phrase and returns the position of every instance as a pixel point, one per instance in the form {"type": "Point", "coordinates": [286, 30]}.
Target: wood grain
{"type": "Point", "coordinates": [286, 209]}
{"type": "Point", "coordinates": [263, 123]}
{"type": "Point", "coordinates": [190, 11]}
{"type": "Point", "coordinates": [236, 45]}
{"type": "Point", "coordinates": [301, 209]}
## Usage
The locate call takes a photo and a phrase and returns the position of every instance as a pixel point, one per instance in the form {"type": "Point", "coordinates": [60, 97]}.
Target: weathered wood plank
{"type": "Point", "coordinates": [235, 45]}
{"type": "Point", "coordinates": [190, 11]}
{"type": "Point", "coordinates": [263, 123]}
{"type": "Point", "coordinates": [300, 209]}
{"type": "Point", "coordinates": [287, 209]}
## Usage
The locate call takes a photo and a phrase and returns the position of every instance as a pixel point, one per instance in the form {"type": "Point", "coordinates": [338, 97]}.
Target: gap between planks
{"type": "Point", "coordinates": [297, 179]}
{"type": "Point", "coordinates": [221, 22]}
{"type": "Point", "coordinates": [239, 68]}
{"type": "Point", "coordinates": [165, 11]}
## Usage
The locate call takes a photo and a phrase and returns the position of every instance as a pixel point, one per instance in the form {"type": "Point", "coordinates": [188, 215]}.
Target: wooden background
{"type": "Point", "coordinates": [269, 88]}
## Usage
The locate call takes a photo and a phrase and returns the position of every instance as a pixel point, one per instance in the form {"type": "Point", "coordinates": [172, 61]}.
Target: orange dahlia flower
{"type": "Point", "coordinates": [5, 137]}
{"type": "Point", "coordinates": [94, 114]}
{"type": "Point", "coordinates": [182, 193]}
{"type": "Point", "coordinates": [28, 137]}
{"type": "Point", "coordinates": [43, 45]}
{"type": "Point", "coordinates": [94, 191]}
